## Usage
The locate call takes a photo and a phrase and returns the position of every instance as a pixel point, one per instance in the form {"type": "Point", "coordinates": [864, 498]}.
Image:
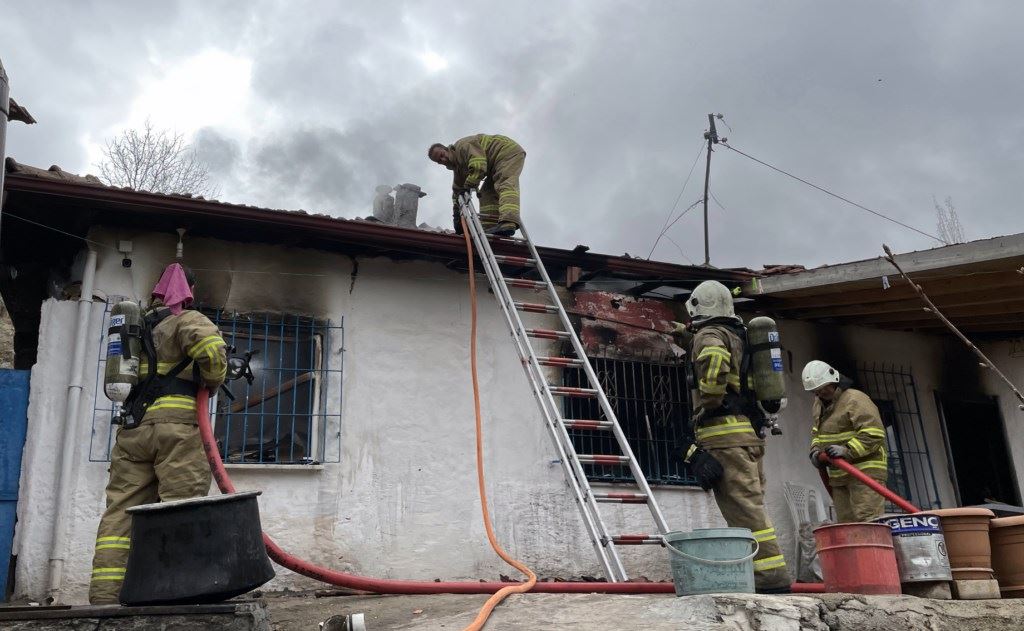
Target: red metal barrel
{"type": "Point", "coordinates": [857, 558]}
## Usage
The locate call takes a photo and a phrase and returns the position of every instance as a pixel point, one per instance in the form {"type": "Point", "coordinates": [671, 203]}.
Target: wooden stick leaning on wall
{"type": "Point", "coordinates": [935, 310]}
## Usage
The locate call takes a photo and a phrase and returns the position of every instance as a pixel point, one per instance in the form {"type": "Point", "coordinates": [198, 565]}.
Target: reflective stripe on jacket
{"type": "Point", "coordinates": [852, 420]}
{"type": "Point", "coordinates": [478, 156]}
{"type": "Point", "coordinates": [717, 353]}
{"type": "Point", "coordinates": [190, 334]}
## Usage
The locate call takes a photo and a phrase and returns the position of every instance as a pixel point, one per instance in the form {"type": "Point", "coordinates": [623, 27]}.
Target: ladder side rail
{"type": "Point", "coordinates": [634, 465]}
{"type": "Point", "coordinates": [572, 468]}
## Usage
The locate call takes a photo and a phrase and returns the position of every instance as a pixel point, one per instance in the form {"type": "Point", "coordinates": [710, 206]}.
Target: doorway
{"type": "Point", "coordinates": [980, 458]}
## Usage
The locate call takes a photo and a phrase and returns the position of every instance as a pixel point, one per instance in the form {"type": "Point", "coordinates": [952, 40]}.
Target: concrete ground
{"type": "Point", "coordinates": [539, 612]}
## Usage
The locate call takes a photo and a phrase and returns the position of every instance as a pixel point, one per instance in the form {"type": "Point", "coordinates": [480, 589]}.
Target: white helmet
{"type": "Point", "coordinates": [710, 299]}
{"type": "Point", "coordinates": [817, 374]}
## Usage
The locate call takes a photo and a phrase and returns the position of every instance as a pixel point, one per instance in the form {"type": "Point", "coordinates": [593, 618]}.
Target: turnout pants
{"type": "Point", "coordinates": [499, 194]}
{"type": "Point", "coordinates": [156, 461]}
{"type": "Point", "coordinates": [740, 497]}
{"type": "Point", "coordinates": [856, 502]}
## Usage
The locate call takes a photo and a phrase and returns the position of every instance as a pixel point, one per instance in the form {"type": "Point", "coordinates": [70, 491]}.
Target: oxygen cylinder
{"type": "Point", "coordinates": [766, 361]}
{"type": "Point", "coordinates": [124, 350]}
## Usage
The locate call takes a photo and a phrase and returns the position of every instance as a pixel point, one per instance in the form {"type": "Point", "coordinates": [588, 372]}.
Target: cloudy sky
{"type": "Point", "coordinates": [312, 104]}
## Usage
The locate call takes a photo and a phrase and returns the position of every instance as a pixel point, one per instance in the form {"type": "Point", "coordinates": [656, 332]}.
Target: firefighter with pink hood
{"type": "Point", "coordinates": [158, 455]}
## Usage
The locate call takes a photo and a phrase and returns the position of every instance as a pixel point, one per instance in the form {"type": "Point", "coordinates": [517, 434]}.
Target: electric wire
{"type": "Point", "coordinates": [678, 197]}
{"type": "Point", "coordinates": [828, 192]}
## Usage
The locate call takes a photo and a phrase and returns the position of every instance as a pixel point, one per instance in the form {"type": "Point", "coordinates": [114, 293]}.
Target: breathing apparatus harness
{"type": "Point", "coordinates": [155, 385]}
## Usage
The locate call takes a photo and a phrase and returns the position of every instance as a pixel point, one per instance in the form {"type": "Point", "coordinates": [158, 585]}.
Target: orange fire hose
{"type": "Point", "coordinates": [501, 594]}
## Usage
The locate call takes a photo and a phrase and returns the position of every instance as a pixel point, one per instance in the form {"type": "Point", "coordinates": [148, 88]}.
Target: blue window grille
{"type": "Point", "coordinates": [652, 403]}
{"type": "Point", "coordinates": [289, 415]}
{"type": "Point", "coordinates": [911, 474]}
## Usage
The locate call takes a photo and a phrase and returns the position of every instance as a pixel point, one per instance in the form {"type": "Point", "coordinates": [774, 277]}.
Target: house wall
{"type": "Point", "coordinates": [402, 502]}
{"type": "Point", "coordinates": [845, 347]}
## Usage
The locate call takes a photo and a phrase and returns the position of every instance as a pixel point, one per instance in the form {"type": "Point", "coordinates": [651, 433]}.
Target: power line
{"type": "Point", "coordinates": [678, 197]}
{"type": "Point", "coordinates": [837, 196]}
{"type": "Point", "coordinates": [715, 199]}
{"type": "Point", "coordinates": [42, 225]}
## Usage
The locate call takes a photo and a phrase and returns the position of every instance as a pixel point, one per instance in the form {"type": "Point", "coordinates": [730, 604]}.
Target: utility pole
{"type": "Point", "coordinates": [711, 135]}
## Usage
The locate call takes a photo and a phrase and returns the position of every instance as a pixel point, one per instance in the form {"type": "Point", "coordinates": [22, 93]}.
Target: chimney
{"type": "Point", "coordinates": [407, 202]}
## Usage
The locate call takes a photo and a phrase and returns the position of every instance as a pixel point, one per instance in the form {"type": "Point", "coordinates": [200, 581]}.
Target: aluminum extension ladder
{"type": "Point", "coordinates": [548, 395]}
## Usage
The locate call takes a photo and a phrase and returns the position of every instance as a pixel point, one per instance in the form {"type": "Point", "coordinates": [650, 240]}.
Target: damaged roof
{"type": "Point", "coordinates": [77, 202]}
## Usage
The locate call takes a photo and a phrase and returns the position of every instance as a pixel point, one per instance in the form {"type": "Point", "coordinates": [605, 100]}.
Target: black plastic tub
{"type": "Point", "coordinates": [194, 551]}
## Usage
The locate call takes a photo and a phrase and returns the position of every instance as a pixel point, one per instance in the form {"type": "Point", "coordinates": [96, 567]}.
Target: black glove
{"type": "Point", "coordinates": [703, 465]}
{"type": "Point", "coordinates": [457, 221]}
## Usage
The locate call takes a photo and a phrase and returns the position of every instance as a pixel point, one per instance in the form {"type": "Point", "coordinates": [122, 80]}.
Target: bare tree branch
{"type": "Point", "coordinates": [948, 222]}
{"type": "Point", "coordinates": [157, 161]}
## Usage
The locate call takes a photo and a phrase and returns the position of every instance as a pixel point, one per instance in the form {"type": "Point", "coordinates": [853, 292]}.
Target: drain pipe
{"type": "Point", "coordinates": [65, 474]}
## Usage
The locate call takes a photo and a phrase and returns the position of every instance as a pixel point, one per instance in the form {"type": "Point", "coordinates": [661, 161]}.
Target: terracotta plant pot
{"type": "Point", "coordinates": [966, 531]}
{"type": "Point", "coordinates": [1007, 536]}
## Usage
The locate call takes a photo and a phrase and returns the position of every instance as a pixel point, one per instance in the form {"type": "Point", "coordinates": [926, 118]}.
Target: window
{"type": "Point", "coordinates": [911, 474]}
{"type": "Point", "coordinates": [281, 417]}
{"type": "Point", "coordinates": [651, 401]}
{"type": "Point", "coordinates": [289, 415]}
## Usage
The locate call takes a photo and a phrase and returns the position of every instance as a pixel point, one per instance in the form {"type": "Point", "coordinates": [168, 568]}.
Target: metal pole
{"type": "Point", "coordinates": [712, 137]}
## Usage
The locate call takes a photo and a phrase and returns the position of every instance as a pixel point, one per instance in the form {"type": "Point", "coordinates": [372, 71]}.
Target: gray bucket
{"type": "Point", "coordinates": [712, 561]}
{"type": "Point", "coordinates": [920, 547]}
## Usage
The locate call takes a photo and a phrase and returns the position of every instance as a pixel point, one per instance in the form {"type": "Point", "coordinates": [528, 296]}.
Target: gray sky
{"type": "Point", "coordinates": [312, 104]}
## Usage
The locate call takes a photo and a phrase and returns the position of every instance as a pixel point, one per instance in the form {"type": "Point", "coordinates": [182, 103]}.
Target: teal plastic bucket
{"type": "Point", "coordinates": [712, 561]}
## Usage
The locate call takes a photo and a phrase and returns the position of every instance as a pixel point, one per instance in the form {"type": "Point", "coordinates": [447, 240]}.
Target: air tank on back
{"type": "Point", "coordinates": [124, 350]}
{"type": "Point", "coordinates": [766, 363]}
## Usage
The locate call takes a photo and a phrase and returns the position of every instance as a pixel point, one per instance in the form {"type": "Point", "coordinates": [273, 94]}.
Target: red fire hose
{"type": "Point", "coordinates": [392, 586]}
{"type": "Point", "coordinates": [862, 477]}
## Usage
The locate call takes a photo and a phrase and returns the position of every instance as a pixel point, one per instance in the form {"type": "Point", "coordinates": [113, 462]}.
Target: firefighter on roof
{"type": "Point", "coordinates": [500, 160]}
{"type": "Point", "coordinates": [847, 425]}
{"type": "Point", "coordinates": [157, 455]}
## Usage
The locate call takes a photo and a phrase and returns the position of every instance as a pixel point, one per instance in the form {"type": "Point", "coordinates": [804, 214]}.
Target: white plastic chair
{"type": "Point", "coordinates": [806, 506]}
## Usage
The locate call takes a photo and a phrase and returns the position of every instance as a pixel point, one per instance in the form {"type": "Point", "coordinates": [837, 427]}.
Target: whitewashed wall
{"type": "Point", "coordinates": [402, 502]}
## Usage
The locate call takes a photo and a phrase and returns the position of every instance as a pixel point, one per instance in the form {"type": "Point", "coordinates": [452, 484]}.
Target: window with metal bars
{"type": "Point", "coordinates": [911, 474]}
{"type": "Point", "coordinates": [652, 404]}
{"type": "Point", "coordinates": [286, 415]}
{"type": "Point", "coordinates": [280, 417]}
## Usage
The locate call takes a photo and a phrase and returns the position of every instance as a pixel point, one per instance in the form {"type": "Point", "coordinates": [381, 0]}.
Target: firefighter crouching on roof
{"type": "Point", "coordinates": [473, 158]}
{"type": "Point", "coordinates": [847, 425]}
{"type": "Point", "coordinates": [162, 457]}
{"type": "Point", "coordinates": [728, 452]}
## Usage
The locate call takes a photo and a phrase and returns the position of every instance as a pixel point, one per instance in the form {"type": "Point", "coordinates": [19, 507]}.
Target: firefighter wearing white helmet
{"type": "Point", "coordinates": [846, 424]}
{"type": "Point", "coordinates": [726, 444]}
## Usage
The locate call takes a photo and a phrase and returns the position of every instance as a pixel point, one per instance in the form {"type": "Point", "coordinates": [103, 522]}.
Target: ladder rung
{"type": "Point", "coordinates": [521, 261]}
{"type": "Point", "coordinates": [602, 459]}
{"type": "Point", "coordinates": [547, 334]}
{"type": "Point", "coordinates": [636, 540]}
{"type": "Point", "coordinates": [621, 498]}
{"type": "Point", "coordinates": [585, 424]}
{"type": "Point", "coordinates": [526, 284]}
{"type": "Point", "coordinates": [507, 239]}
{"type": "Point", "coordinates": [567, 391]}
{"type": "Point", "coordinates": [563, 362]}
{"type": "Point", "coordinates": [534, 307]}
